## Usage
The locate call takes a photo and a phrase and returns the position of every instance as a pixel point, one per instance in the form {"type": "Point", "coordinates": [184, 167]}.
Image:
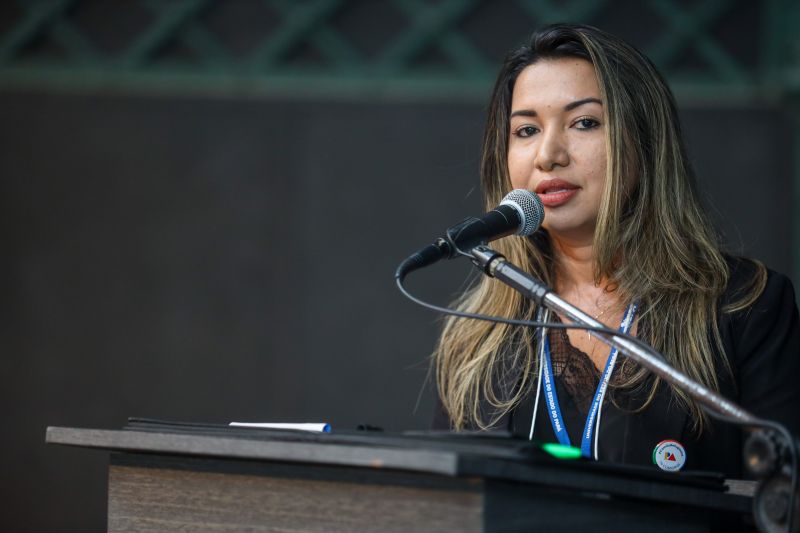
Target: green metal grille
{"type": "Point", "coordinates": [383, 48]}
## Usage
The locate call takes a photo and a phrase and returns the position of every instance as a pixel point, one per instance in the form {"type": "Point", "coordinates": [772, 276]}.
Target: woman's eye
{"type": "Point", "coordinates": [526, 131]}
{"type": "Point", "coordinates": [586, 123]}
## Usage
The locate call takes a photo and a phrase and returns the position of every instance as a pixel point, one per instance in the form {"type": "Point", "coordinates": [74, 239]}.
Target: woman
{"type": "Point", "coordinates": [584, 120]}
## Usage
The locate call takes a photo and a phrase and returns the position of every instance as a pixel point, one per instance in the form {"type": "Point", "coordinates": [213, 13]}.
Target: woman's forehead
{"type": "Point", "coordinates": [554, 84]}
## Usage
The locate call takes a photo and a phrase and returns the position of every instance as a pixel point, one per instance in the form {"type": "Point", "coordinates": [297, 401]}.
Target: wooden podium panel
{"type": "Point", "coordinates": [215, 479]}
{"type": "Point", "coordinates": [147, 494]}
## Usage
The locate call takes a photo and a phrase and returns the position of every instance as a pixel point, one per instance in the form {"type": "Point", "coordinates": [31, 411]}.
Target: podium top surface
{"type": "Point", "coordinates": [433, 453]}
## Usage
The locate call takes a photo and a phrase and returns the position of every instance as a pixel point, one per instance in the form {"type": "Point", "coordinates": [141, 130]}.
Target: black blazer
{"type": "Point", "coordinates": [762, 345]}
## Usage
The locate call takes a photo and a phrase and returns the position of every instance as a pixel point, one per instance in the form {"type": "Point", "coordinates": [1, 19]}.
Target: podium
{"type": "Point", "coordinates": [202, 477]}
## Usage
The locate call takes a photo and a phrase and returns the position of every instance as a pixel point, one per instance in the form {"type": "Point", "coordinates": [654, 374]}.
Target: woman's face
{"type": "Point", "coordinates": [557, 145]}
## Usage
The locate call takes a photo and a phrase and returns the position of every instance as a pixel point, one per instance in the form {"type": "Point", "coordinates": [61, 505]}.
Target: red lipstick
{"type": "Point", "coordinates": [556, 192]}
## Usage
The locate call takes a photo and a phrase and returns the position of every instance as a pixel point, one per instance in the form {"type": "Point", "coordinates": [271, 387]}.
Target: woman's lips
{"type": "Point", "coordinates": [556, 192]}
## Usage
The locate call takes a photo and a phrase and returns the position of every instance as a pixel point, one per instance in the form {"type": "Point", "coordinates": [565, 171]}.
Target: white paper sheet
{"type": "Point", "coordinates": [318, 428]}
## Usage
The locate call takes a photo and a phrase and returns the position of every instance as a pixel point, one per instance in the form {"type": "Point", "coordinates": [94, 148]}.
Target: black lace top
{"type": "Point", "coordinates": [573, 368]}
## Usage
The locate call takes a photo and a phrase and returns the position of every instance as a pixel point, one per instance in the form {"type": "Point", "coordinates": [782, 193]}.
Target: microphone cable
{"type": "Point", "coordinates": [400, 281]}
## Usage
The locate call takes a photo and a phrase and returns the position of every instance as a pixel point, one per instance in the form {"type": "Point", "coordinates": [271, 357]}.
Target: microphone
{"type": "Point", "coordinates": [520, 212]}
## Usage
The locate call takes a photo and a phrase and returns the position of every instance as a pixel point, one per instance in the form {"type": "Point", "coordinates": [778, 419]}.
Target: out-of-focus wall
{"type": "Point", "coordinates": [214, 244]}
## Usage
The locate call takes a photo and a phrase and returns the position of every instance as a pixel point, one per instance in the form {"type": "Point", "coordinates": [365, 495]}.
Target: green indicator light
{"type": "Point", "coordinates": [559, 451]}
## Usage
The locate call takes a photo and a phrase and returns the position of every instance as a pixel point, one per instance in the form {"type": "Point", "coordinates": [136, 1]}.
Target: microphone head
{"type": "Point", "coordinates": [529, 207]}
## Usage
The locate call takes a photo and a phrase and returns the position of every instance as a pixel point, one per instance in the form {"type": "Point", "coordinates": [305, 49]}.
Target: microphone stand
{"type": "Point", "coordinates": [757, 455]}
{"type": "Point", "coordinates": [496, 266]}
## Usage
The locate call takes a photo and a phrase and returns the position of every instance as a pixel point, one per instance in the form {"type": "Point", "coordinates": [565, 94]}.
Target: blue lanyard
{"type": "Point", "coordinates": [551, 397]}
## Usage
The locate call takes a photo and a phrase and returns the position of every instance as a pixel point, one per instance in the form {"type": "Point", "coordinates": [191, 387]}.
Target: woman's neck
{"type": "Point", "coordinates": [576, 283]}
{"type": "Point", "coordinates": [575, 263]}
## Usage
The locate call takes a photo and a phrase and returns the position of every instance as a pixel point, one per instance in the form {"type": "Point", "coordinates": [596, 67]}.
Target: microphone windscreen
{"type": "Point", "coordinates": [529, 207]}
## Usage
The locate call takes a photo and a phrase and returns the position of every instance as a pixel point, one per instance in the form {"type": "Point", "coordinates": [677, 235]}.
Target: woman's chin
{"type": "Point", "coordinates": [572, 230]}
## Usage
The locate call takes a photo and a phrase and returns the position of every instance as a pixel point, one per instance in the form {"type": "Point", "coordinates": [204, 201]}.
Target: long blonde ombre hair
{"type": "Point", "coordinates": [652, 240]}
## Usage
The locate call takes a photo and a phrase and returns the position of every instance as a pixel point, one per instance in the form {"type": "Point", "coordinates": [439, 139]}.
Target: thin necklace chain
{"type": "Point", "coordinates": [603, 311]}
{"type": "Point", "coordinates": [611, 305]}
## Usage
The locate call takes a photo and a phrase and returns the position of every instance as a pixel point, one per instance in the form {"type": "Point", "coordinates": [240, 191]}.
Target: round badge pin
{"type": "Point", "coordinates": [669, 455]}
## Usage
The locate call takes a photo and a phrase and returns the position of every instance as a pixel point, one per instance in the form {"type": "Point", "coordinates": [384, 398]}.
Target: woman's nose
{"type": "Point", "coordinates": [552, 152]}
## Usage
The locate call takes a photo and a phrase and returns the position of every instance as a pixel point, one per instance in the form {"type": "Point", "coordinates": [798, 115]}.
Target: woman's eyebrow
{"type": "Point", "coordinates": [569, 107]}
{"type": "Point", "coordinates": [577, 103]}
{"type": "Point", "coordinates": [523, 113]}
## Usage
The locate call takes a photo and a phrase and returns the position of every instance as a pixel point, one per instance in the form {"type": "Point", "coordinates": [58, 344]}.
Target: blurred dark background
{"type": "Point", "coordinates": [203, 202]}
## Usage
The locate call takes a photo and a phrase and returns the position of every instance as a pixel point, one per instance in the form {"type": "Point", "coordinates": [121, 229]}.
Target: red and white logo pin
{"type": "Point", "coordinates": [669, 455]}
